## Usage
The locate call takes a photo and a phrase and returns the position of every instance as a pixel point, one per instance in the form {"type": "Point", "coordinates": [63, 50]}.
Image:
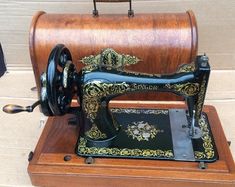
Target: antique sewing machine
{"type": "Point", "coordinates": [124, 96]}
{"type": "Point", "coordinates": [175, 134]}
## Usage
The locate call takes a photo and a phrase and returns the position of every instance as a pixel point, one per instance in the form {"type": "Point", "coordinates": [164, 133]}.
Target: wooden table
{"type": "Point", "coordinates": [20, 133]}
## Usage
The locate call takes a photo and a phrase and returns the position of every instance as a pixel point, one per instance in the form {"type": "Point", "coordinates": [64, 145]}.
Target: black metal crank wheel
{"type": "Point", "coordinates": [59, 80]}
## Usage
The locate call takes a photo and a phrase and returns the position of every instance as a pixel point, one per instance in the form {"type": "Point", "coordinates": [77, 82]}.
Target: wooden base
{"type": "Point", "coordinates": [49, 168]}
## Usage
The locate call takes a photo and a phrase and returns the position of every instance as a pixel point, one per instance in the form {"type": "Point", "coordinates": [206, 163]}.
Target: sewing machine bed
{"type": "Point", "coordinates": [55, 163]}
{"type": "Point", "coordinates": [155, 134]}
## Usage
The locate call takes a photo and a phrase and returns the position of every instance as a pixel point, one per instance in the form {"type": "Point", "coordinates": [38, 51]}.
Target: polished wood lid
{"type": "Point", "coordinates": [162, 41]}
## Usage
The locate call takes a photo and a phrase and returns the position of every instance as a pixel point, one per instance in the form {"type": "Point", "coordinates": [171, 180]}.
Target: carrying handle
{"type": "Point", "coordinates": [130, 11]}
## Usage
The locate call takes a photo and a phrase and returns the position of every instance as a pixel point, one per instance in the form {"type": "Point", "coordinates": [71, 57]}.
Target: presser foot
{"type": "Point", "coordinates": [159, 134]}
{"type": "Point", "coordinates": [195, 133]}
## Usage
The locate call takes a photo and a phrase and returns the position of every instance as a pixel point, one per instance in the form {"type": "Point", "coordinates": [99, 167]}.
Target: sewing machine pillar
{"type": "Point", "coordinates": [195, 103]}
{"type": "Point", "coordinates": [104, 123]}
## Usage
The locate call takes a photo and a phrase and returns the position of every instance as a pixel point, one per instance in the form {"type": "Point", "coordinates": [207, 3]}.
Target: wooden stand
{"type": "Point", "coordinates": [49, 167]}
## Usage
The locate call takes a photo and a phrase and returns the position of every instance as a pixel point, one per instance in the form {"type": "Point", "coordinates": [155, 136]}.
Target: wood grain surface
{"type": "Point", "coordinates": [216, 23]}
{"type": "Point", "coordinates": [19, 135]}
{"type": "Point", "coordinates": [48, 161]}
{"type": "Point", "coordinates": [161, 41]}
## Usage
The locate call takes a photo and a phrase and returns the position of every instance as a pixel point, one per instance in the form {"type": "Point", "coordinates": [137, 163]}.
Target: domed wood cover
{"type": "Point", "coordinates": [161, 41]}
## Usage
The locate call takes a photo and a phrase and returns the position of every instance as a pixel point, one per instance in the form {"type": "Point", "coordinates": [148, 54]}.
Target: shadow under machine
{"type": "Point", "coordinates": [101, 75]}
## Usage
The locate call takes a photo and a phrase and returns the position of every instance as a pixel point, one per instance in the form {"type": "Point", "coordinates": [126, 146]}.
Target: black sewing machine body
{"type": "Point", "coordinates": [174, 134]}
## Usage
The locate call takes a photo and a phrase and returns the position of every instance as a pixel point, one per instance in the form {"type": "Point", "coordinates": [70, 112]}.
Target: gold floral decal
{"type": "Point", "coordinates": [84, 150]}
{"type": "Point", "coordinates": [207, 141]}
{"type": "Point", "coordinates": [185, 68]}
{"type": "Point", "coordinates": [142, 131]}
{"type": "Point", "coordinates": [95, 133]}
{"type": "Point", "coordinates": [110, 59]}
{"type": "Point", "coordinates": [139, 111]}
{"type": "Point", "coordinates": [188, 89]}
{"type": "Point", "coordinates": [67, 67]}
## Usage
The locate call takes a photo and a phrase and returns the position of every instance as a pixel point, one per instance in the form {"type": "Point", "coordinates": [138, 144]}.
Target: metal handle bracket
{"type": "Point", "coordinates": [130, 11]}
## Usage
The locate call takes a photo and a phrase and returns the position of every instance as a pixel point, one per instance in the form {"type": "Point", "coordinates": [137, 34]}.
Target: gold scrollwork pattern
{"type": "Point", "coordinates": [185, 68]}
{"type": "Point", "coordinates": [110, 59]}
{"type": "Point", "coordinates": [89, 68]}
{"type": "Point", "coordinates": [143, 74]}
{"type": "Point", "coordinates": [84, 150]}
{"type": "Point", "coordinates": [139, 111]}
{"type": "Point", "coordinates": [95, 133]}
{"type": "Point", "coordinates": [94, 91]}
{"type": "Point", "coordinates": [141, 131]}
{"type": "Point", "coordinates": [201, 97]}
{"type": "Point", "coordinates": [188, 89]}
{"type": "Point", "coordinates": [208, 152]}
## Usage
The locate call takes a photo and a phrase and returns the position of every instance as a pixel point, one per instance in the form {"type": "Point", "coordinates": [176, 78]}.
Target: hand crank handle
{"type": "Point", "coordinates": [13, 109]}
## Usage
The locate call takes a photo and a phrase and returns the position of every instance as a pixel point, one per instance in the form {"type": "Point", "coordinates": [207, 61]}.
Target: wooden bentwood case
{"type": "Point", "coordinates": [162, 42]}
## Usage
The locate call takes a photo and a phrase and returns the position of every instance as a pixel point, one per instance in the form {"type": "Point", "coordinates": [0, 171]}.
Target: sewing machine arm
{"type": "Point", "coordinates": [100, 85]}
{"type": "Point", "coordinates": [95, 85]}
